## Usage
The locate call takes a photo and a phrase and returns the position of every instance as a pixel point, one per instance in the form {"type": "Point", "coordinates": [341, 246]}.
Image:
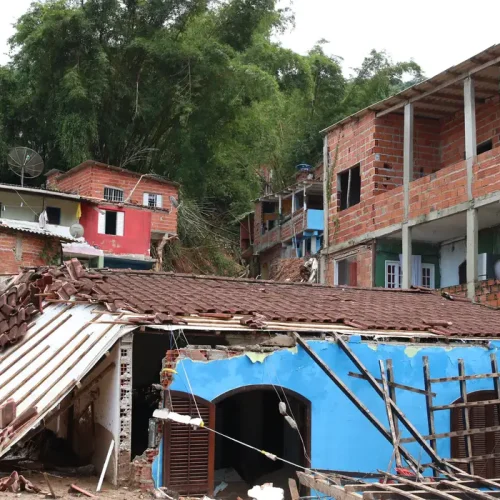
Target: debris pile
{"type": "Point", "coordinates": [16, 483]}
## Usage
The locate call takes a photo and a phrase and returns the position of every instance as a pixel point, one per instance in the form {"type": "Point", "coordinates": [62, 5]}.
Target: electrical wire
{"type": "Point", "coordinates": [184, 368]}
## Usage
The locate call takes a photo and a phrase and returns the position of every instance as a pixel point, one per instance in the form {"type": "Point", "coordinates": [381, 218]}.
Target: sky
{"type": "Point", "coordinates": [436, 34]}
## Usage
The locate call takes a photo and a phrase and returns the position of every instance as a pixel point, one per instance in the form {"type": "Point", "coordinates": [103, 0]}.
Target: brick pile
{"type": "Point", "coordinates": [141, 475]}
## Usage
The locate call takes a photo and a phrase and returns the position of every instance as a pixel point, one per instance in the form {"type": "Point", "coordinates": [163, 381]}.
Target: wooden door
{"type": "Point", "coordinates": [482, 444]}
{"type": "Point", "coordinates": [188, 464]}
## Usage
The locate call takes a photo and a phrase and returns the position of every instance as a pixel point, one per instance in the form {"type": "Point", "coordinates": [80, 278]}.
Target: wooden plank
{"type": "Point", "coordinates": [441, 435]}
{"type": "Point", "coordinates": [354, 400]}
{"type": "Point", "coordinates": [391, 384]}
{"type": "Point", "coordinates": [441, 86]}
{"type": "Point", "coordinates": [402, 417]}
{"type": "Point", "coordinates": [465, 377]}
{"type": "Point", "coordinates": [470, 491]}
{"type": "Point", "coordinates": [496, 382]}
{"type": "Point", "coordinates": [423, 494]}
{"type": "Point", "coordinates": [469, 404]}
{"type": "Point", "coordinates": [398, 492]}
{"type": "Point", "coordinates": [472, 459]}
{"type": "Point", "coordinates": [321, 485]}
{"type": "Point", "coordinates": [422, 486]}
{"type": "Point", "coordinates": [428, 402]}
{"type": "Point", "coordinates": [294, 491]}
{"type": "Point", "coordinates": [491, 483]}
{"type": "Point", "coordinates": [465, 414]}
{"type": "Point", "coordinates": [390, 416]}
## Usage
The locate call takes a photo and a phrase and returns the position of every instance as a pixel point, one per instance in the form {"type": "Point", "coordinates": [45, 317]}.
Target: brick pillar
{"type": "Point", "coordinates": [125, 446]}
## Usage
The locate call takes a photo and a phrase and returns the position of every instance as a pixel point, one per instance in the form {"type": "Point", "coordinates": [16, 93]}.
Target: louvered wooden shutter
{"type": "Point", "coordinates": [482, 444]}
{"type": "Point", "coordinates": [188, 453]}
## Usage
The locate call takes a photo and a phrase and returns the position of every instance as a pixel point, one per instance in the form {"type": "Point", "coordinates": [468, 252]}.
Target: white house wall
{"type": "Point", "coordinates": [32, 206]}
{"type": "Point", "coordinates": [451, 256]}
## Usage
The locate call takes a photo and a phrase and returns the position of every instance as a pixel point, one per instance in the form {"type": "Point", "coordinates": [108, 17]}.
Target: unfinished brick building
{"type": "Point", "coordinates": [414, 184]}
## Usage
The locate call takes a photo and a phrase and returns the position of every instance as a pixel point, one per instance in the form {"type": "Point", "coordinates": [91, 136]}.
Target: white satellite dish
{"type": "Point", "coordinates": [76, 230]}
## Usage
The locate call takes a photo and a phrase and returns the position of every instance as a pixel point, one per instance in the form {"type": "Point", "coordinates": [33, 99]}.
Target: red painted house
{"type": "Point", "coordinates": [123, 213]}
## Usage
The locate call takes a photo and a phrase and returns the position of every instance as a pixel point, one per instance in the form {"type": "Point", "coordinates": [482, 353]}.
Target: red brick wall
{"type": "Point", "coordinates": [94, 177]}
{"type": "Point", "coordinates": [364, 268]}
{"type": "Point", "coordinates": [487, 292]}
{"type": "Point", "coordinates": [453, 136]}
{"type": "Point", "coordinates": [32, 247]}
{"type": "Point", "coordinates": [438, 150]}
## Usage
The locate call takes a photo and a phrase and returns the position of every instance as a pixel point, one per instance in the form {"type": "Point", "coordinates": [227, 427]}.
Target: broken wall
{"type": "Point", "coordinates": [341, 437]}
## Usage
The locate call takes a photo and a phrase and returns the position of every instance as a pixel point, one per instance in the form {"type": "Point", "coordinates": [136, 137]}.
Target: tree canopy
{"type": "Point", "coordinates": [195, 90]}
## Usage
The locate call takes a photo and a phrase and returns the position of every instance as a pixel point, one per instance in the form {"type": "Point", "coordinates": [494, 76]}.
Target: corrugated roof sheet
{"type": "Point", "coordinates": [50, 230]}
{"type": "Point", "coordinates": [58, 350]}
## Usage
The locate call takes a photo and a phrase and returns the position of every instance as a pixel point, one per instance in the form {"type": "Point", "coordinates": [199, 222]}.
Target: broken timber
{"type": "Point", "coordinates": [401, 416]}
{"type": "Point", "coordinates": [349, 394]}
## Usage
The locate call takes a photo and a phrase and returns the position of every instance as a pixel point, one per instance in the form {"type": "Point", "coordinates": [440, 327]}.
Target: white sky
{"type": "Point", "coordinates": [437, 34]}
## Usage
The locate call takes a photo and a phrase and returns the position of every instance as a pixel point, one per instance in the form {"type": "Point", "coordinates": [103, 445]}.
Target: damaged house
{"type": "Point", "coordinates": [285, 378]}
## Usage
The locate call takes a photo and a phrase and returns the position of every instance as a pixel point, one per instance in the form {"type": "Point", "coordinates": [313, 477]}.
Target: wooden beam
{"type": "Point", "coordinates": [465, 414]}
{"type": "Point", "coordinates": [496, 382]}
{"type": "Point", "coordinates": [491, 483]}
{"type": "Point", "coordinates": [321, 485]}
{"type": "Point", "coordinates": [466, 489]}
{"type": "Point", "coordinates": [354, 400]}
{"type": "Point", "coordinates": [294, 491]}
{"type": "Point", "coordinates": [422, 486]}
{"type": "Point", "coordinates": [441, 435]}
{"type": "Point", "coordinates": [390, 416]}
{"type": "Point", "coordinates": [402, 493]}
{"type": "Point", "coordinates": [402, 417]}
{"type": "Point", "coordinates": [469, 404]}
{"type": "Point", "coordinates": [428, 401]}
{"type": "Point", "coordinates": [392, 384]}
{"type": "Point", "coordinates": [442, 86]}
{"type": "Point", "coordinates": [465, 377]}
{"type": "Point", "coordinates": [473, 459]}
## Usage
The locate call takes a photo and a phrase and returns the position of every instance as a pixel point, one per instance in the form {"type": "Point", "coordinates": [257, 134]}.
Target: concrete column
{"type": "Point", "coordinates": [470, 157]}
{"type": "Point", "coordinates": [407, 252]}
{"type": "Point", "coordinates": [407, 178]}
{"type": "Point", "coordinates": [407, 157]}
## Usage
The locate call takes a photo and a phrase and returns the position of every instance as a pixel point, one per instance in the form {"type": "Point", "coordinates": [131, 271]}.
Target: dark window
{"type": "Point", "coordinates": [485, 146]}
{"type": "Point", "coordinates": [482, 444]}
{"type": "Point", "coordinates": [482, 148]}
{"type": "Point", "coordinates": [349, 187]}
{"type": "Point", "coordinates": [110, 222]}
{"type": "Point", "coordinates": [53, 215]}
{"type": "Point", "coordinates": [347, 272]}
{"type": "Point", "coordinates": [315, 202]}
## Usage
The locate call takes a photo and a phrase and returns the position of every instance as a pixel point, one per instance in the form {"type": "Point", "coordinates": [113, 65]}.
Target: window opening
{"type": "Point", "coordinates": [53, 215]}
{"type": "Point", "coordinates": [113, 194]}
{"type": "Point", "coordinates": [349, 187]}
{"type": "Point", "coordinates": [347, 272]}
{"type": "Point", "coordinates": [111, 219]}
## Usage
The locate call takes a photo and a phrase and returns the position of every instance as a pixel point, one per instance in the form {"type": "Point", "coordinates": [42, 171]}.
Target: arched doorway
{"type": "Point", "coordinates": [251, 415]}
{"type": "Point", "coordinates": [482, 444]}
{"type": "Point", "coordinates": [197, 460]}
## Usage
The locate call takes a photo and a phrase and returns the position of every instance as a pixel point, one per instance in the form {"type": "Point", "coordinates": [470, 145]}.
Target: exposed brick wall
{"type": "Point", "coordinates": [92, 178]}
{"type": "Point", "coordinates": [487, 292]}
{"type": "Point", "coordinates": [268, 259]}
{"type": "Point", "coordinates": [364, 266]}
{"type": "Point", "coordinates": [23, 249]}
{"type": "Point", "coordinates": [438, 154]}
{"type": "Point", "coordinates": [453, 135]}
{"type": "Point", "coordinates": [141, 470]}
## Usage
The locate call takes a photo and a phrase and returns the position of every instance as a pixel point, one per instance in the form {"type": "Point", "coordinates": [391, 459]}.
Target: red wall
{"type": "Point", "coordinates": [136, 235]}
{"type": "Point", "coordinates": [33, 249]}
{"type": "Point", "coordinates": [92, 177]}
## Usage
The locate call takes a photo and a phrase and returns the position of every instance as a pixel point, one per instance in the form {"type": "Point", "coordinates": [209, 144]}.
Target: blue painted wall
{"type": "Point", "coordinates": [342, 438]}
{"type": "Point", "coordinates": [315, 219]}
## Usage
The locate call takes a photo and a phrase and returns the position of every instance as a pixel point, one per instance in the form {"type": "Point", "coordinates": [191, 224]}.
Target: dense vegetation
{"type": "Point", "coordinates": [195, 90]}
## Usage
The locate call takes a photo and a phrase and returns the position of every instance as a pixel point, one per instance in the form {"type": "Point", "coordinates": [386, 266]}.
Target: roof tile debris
{"type": "Point", "coordinates": [163, 298]}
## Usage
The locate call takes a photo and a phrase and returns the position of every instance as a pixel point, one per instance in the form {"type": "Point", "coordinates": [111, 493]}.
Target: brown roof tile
{"type": "Point", "coordinates": [166, 295]}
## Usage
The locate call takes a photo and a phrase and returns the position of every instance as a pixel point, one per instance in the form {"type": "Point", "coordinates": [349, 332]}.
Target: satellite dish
{"type": "Point", "coordinates": [76, 230]}
{"type": "Point", "coordinates": [25, 162]}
